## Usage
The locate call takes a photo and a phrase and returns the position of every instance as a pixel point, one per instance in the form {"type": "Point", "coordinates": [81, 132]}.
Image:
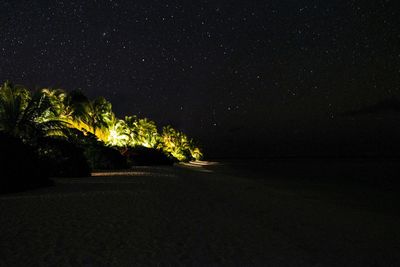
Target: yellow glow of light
{"type": "Point", "coordinates": [101, 134]}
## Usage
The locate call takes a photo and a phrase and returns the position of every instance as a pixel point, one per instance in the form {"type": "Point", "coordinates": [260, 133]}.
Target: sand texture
{"type": "Point", "coordinates": [176, 216]}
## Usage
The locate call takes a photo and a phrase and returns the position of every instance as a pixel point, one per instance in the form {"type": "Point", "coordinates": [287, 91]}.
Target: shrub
{"type": "Point", "coordinates": [98, 155]}
{"type": "Point", "coordinates": [102, 157]}
{"type": "Point", "coordinates": [62, 158]}
{"type": "Point", "coordinates": [20, 166]}
{"type": "Point", "coordinates": [139, 156]}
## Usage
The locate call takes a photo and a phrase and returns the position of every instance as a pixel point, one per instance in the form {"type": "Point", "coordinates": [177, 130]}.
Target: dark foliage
{"type": "Point", "coordinates": [63, 158]}
{"type": "Point", "coordinates": [101, 157]}
{"type": "Point", "coordinates": [98, 155]}
{"type": "Point", "coordinates": [140, 156]}
{"type": "Point", "coordinates": [20, 166]}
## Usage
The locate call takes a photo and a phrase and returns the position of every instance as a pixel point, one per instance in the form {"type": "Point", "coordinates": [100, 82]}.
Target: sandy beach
{"type": "Point", "coordinates": [198, 216]}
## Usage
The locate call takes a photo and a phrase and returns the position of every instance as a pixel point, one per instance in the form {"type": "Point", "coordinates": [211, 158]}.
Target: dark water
{"type": "Point", "coordinates": [373, 184]}
{"type": "Point", "coordinates": [373, 172]}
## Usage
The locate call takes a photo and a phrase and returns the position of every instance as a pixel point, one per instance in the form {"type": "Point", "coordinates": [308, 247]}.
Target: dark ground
{"type": "Point", "coordinates": [243, 213]}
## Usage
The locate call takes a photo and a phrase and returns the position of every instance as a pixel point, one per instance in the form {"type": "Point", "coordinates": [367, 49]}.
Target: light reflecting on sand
{"type": "Point", "coordinates": [198, 165]}
{"type": "Point", "coordinates": [61, 195]}
{"type": "Point", "coordinates": [131, 173]}
{"type": "Point", "coordinates": [203, 163]}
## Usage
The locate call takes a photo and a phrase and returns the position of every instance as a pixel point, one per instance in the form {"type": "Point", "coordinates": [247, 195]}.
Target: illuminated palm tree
{"type": "Point", "coordinates": [74, 108]}
{"type": "Point", "coordinates": [175, 143]}
{"type": "Point", "coordinates": [79, 112]}
{"type": "Point", "coordinates": [58, 99]}
{"type": "Point", "coordinates": [119, 133]}
{"type": "Point", "coordinates": [13, 102]}
{"type": "Point", "coordinates": [179, 145]}
{"type": "Point", "coordinates": [143, 132]}
{"type": "Point", "coordinates": [195, 151]}
{"type": "Point", "coordinates": [98, 114]}
{"type": "Point", "coordinates": [26, 115]}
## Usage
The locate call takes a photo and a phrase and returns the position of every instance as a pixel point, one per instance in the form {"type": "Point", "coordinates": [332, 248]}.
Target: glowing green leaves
{"type": "Point", "coordinates": [51, 111]}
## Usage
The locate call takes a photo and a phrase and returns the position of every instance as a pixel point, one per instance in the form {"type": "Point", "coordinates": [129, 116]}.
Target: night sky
{"type": "Point", "coordinates": [244, 78]}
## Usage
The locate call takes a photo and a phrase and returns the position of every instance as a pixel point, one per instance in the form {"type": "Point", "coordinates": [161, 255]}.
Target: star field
{"type": "Point", "coordinates": [216, 69]}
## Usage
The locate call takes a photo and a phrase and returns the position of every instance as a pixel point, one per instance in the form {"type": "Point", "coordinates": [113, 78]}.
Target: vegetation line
{"type": "Point", "coordinates": [66, 130]}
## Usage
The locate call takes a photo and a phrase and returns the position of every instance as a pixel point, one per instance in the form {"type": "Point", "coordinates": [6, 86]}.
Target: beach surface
{"type": "Point", "coordinates": [200, 215]}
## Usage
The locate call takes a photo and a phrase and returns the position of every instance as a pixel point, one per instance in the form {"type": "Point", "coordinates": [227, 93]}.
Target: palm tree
{"type": "Point", "coordinates": [175, 143]}
{"type": "Point", "coordinates": [179, 145]}
{"type": "Point", "coordinates": [57, 98]}
{"type": "Point", "coordinates": [79, 112]}
{"type": "Point", "coordinates": [25, 115]}
{"type": "Point", "coordinates": [195, 151]}
{"type": "Point", "coordinates": [13, 102]}
{"type": "Point", "coordinates": [143, 132]}
{"type": "Point", "coordinates": [119, 133]}
{"type": "Point", "coordinates": [99, 115]}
